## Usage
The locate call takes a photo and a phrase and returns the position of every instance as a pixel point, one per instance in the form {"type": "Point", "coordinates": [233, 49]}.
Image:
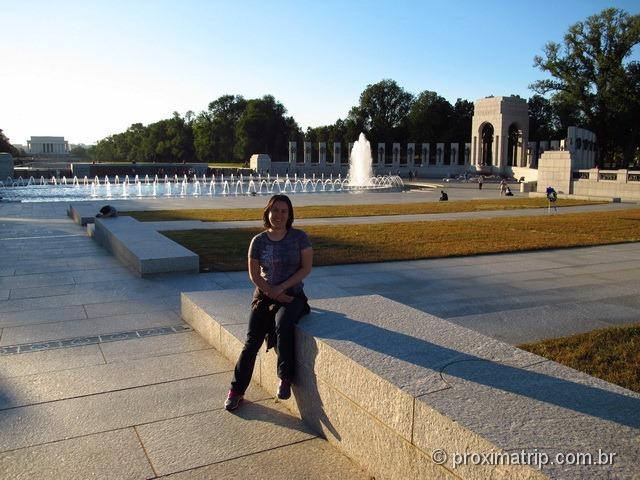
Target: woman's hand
{"type": "Point", "coordinates": [284, 298]}
{"type": "Point", "coordinates": [273, 291]}
{"type": "Point", "coordinates": [278, 293]}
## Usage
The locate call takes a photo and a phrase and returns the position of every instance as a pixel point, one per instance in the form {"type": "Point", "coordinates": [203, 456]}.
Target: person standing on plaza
{"type": "Point", "coordinates": [279, 259]}
{"type": "Point", "coordinates": [480, 180]}
{"type": "Point", "coordinates": [552, 197]}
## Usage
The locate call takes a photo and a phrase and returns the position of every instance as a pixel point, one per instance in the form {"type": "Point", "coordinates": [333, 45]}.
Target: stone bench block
{"type": "Point", "coordinates": [83, 214]}
{"type": "Point", "coordinates": [142, 249]}
{"type": "Point", "coordinates": [389, 385]}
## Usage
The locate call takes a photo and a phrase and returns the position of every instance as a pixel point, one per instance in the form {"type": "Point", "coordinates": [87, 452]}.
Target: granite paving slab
{"type": "Point", "coordinates": [97, 295]}
{"type": "Point", "coordinates": [116, 454]}
{"type": "Point", "coordinates": [50, 361]}
{"type": "Point", "coordinates": [62, 267]}
{"type": "Point", "coordinates": [96, 275]}
{"type": "Point", "coordinates": [36, 280]}
{"type": "Point", "coordinates": [38, 424]}
{"type": "Point", "coordinates": [182, 443]}
{"type": "Point", "coordinates": [92, 326]}
{"type": "Point", "coordinates": [91, 380]}
{"type": "Point", "coordinates": [152, 347]}
{"type": "Point", "coordinates": [35, 292]}
{"type": "Point", "coordinates": [170, 302]}
{"type": "Point", "coordinates": [309, 459]}
{"type": "Point", "coordinates": [629, 276]}
{"type": "Point", "coordinates": [42, 315]}
{"type": "Point", "coordinates": [6, 271]}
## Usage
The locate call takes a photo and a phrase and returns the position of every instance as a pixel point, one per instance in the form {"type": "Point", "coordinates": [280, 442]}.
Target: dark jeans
{"type": "Point", "coordinates": [263, 310]}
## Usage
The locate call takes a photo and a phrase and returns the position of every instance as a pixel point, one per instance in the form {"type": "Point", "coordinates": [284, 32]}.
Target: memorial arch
{"type": "Point", "coordinates": [486, 145]}
{"type": "Point", "coordinates": [514, 146]}
{"type": "Point", "coordinates": [500, 133]}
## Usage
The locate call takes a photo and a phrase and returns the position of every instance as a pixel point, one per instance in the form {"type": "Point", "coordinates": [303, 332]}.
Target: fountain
{"type": "Point", "coordinates": [360, 170]}
{"type": "Point", "coordinates": [359, 179]}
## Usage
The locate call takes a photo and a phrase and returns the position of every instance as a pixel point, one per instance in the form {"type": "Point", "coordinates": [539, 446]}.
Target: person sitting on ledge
{"type": "Point", "coordinates": [279, 259]}
{"type": "Point", "coordinates": [107, 211]}
{"type": "Point", "coordinates": [443, 196]}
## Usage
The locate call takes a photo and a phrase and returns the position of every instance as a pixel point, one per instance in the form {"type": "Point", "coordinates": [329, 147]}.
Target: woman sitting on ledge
{"type": "Point", "coordinates": [279, 259]}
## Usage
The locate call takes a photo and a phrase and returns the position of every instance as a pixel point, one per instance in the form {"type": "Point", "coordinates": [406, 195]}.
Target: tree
{"type": "Point", "coordinates": [263, 128]}
{"type": "Point", "coordinates": [79, 151]}
{"type": "Point", "coordinates": [215, 129]}
{"type": "Point", "coordinates": [542, 119]}
{"type": "Point", "coordinates": [382, 111]}
{"type": "Point", "coordinates": [590, 72]}
{"type": "Point", "coordinates": [169, 140]}
{"type": "Point", "coordinates": [6, 147]}
{"type": "Point", "coordinates": [461, 122]}
{"type": "Point", "coordinates": [430, 117]}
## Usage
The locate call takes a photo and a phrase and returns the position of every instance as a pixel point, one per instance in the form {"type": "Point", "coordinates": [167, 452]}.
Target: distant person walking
{"type": "Point", "coordinates": [552, 197]}
{"type": "Point", "coordinates": [480, 180]}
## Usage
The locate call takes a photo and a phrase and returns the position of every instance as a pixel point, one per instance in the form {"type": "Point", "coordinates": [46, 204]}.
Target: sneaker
{"type": "Point", "coordinates": [284, 389]}
{"type": "Point", "coordinates": [233, 400]}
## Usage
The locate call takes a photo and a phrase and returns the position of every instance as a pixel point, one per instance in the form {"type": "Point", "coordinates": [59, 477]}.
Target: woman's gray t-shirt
{"type": "Point", "coordinates": [279, 260]}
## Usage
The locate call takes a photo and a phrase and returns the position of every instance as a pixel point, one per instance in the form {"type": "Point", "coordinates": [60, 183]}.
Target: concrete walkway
{"type": "Point", "coordinates": [100, 377]}
{"type": "Point", "coordinates": [112, 383]}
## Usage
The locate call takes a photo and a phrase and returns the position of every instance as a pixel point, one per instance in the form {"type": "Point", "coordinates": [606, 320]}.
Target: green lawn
{"type": "Point", "coordinates": [231, 214]}
{"type": "Point", "coordinates": [612, 354]}
{"type": "Point", "coordinates": [224, 250]}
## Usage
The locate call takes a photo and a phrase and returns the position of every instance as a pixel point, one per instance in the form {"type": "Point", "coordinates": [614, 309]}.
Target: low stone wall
{"type": "Point", "coordinates": [83, 214]}
{"type": "Point", "coordinates": [142, 249]}
{"type": "Point", "coordinates": [555, 170]}
{"type": "Point", "coordinates": [6, 166]}
{"type": "Point", "coordinates": [623, 184]}
{"type": "Point", "coordinates": [141, 169]}
{"type": "Point", "coordinates": [407, 395]}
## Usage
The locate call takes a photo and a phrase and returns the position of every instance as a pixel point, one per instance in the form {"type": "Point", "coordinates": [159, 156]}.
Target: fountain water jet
{"type": "Point", "coordinates": [360, 170]}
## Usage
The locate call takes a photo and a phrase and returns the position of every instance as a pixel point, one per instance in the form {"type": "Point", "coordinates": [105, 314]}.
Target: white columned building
{"type": "Point", "coordinates": [47, 146]}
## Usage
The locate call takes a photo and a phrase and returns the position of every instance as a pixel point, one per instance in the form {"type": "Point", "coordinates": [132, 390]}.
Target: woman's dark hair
{"type": "Point", "coordinates": [267, 209]}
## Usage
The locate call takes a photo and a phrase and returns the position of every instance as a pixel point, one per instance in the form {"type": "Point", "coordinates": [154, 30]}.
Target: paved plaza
{"type": "Point", "coordinates": [102, 378]}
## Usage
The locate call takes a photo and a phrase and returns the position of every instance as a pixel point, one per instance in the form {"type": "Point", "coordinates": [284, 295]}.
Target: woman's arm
{"type": "Point", "coordinates": [256, 278]}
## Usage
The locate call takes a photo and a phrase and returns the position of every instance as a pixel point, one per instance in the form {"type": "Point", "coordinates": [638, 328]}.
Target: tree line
{"type": "Point", "coordinates": [232, 128]}
{"type": "Point", "coordinates": [591, 84]}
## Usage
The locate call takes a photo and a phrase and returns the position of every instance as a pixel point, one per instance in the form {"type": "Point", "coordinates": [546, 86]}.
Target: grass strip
{"type": "Point", "coordinates": [226, 250]}
{"type": "Point", "coordinates": [324, 211]}
{"type": "Point", "coordinates": [612, 354]}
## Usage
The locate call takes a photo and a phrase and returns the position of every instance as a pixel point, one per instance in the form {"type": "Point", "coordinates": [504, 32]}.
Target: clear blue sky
{"type": "Point", "coordinates": [86, 70]}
